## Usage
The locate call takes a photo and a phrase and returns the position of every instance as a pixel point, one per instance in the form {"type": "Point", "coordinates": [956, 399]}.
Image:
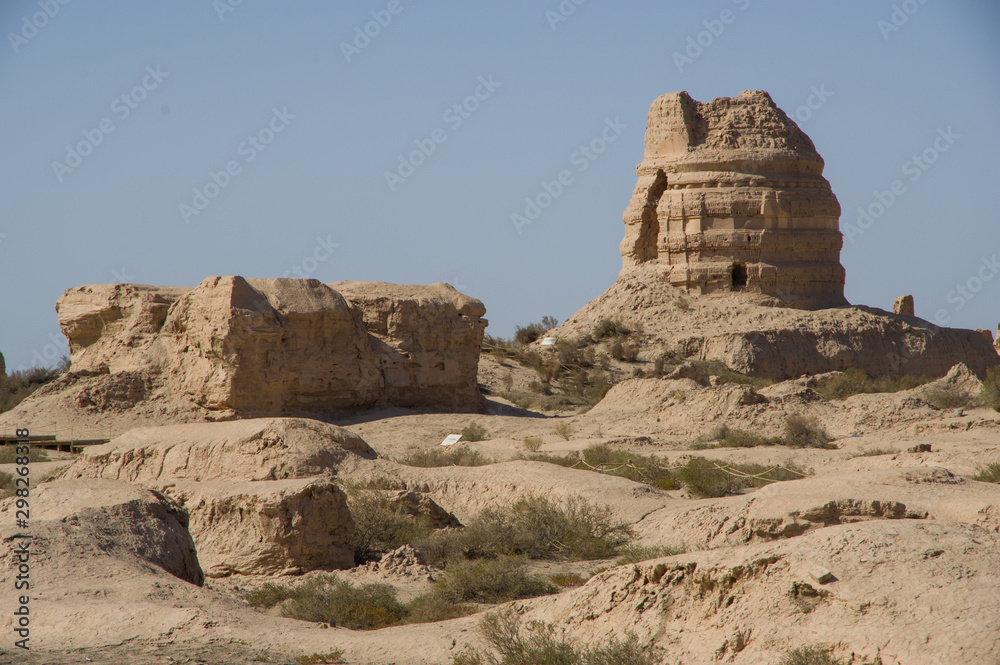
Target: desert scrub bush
{"type": "Point", "coordinates": [877, 452]}
{"type": "Point", "coordinates": [665, 363]}
{"type": "Point", "coordinates": [453, 456]}
{"type": "Point", "coordinates": [707, 479]}
{"type": "Point", "coordinates": [805, 432]}
{"type": "Point", "coordinates": [380, 525]}
{"type": "Point", "coordinates": [531, 332]}
{"type": "Point", "coordinates": [642, 469]}
{"type": "Point", "coordinates": [565, 430]}
{"type": "Point", "coordinates": [537, 643]}
{"type": "Point", "coordinates": [498, 580]}
{"type": "Point", "coordinates": [729, 437]}
{"type": "Point", "coordinates": [635, 553]}
{"type": "Point", "coordinates": [474, 432]}
{"type": "Point", "coordinates": [17, 386]}
{"type": "Point", "coordinates": [854, 381]}
{"type": "Point", "coordinates": [606, 328]}
{"type": "Point", "coordinates": [533, 443]}
{"type": "Point", "coordinates": [535, 527]}
{"type": "Point", "coordinates": [681, 304]}
{"type": "Point", "coordinates": [8, 454]}
{"type": "Point", "coordinates": [988, 474]}
{"type": "Point", "coordinates": [624, 351]}
{"type": "Point", "coordinates": [810, 656]}
{"type": "Point", "coordinates": [567, 580]}
{"type": "Point", "coordinates": [321, 658]}
{"type": "Point", "coordinates": [989, 394]}
{"type": "Point", "coordinates": [951, 397]}
{"type": "Point", "coordinates": [328, 599]}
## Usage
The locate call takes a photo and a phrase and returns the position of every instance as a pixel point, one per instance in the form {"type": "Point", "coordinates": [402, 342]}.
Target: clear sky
{"type": "Point", "coordinates": [120, 120]}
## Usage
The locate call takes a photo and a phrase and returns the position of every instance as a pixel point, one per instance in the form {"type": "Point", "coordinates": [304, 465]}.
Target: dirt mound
{"type": "Point", "coordinates": [244, 450]}
{"type": "Point", "coordinates": [914, 592]}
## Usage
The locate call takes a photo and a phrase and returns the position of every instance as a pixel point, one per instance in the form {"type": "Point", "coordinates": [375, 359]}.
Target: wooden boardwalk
{"type": "Point", "coordinates": [51, 442]}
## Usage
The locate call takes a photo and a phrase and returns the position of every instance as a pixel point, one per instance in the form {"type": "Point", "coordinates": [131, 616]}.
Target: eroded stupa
{"type": "Point", "coordinates": [731, 197]}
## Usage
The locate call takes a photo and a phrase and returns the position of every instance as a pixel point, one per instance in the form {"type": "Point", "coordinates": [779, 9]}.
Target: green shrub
{"type": "Point", "coordinates": [538, 644]}
{"type": "Point", "coordinates": [810, 656]}
{"type": "Point", "coordinates": [988, 474]}
{"type": "Point", "coordinates": [666, 363]}
{"type": "Point", "coordinates": [804, 432]}
{"type": "Point", "coordinates": [474, 432]}
{"type": "Point", "coordinates": [434, 606]}
{"type": "Point", "coordinates": [490, 581]}
{"type": "Point", "coordinates": [446, 456]}
{"type": "Point", "coordinates": [535, 527]}
{"type": "Point", "coordinates": [606, 328]}
{"type": "Point", "coordinates": [707, 479]}
{"type": "Point", "coordinates": [328, 599]}
{"type": "Point", "coordinates": [624, 351]}
{"type": "Point", "coordinates": [380, 525]}
{"type": "Point", "coordinates": [989, 394]}
{"type": "Point", "coordinates": [531, 332]}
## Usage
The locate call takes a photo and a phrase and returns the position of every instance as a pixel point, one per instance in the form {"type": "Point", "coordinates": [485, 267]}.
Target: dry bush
{"type": "Point", "coordinates": [805, 432]}
{"type": "Point", "coordinates": [705, 478]}
{"type": "Point", "coordinates": [535, 527]}
{"type": "Point", "coordinates": [989, 395]}
{"type": "Point", "coordinates": [681, 304]}
{"type": "Point", "coordinates": [951, 397]}
{"type": "Point", "coordinates": [719, 369]}
{"type": "Point", "coordinates": [328, 599]}
{"type": "Point", "coordinates": [512, 643]}
{"type": "Point", "coordinates": [567, 580]}
{"type": "Point", "coordinates": [606, 328]}
{"type": "Point", "coordinates": [810, 656]}
{"type": "Point", "coordinates": [853, 381]}
{"type": "Point", "coordinates": [635, 553]}
{"type": "Point", "coordinates": [380, 525]}
{"type": "Point", "coordinates": [533, 331]}
{"type": "Point", "coordinates": [533, 443]}
{"type": "Point", "coordinates": [321, 658]}
{"type": "Point", "coordinates": [988, 474]}
{"type": "Point", "coordinates": [17, 386]}
{"type": "Point", "coordinates": [445, 456]}
{"type": "Point", "coordinates": [490, 581]}
{"type": "Point", "coordinates": [565, 430]}
{"type": "Point", "coordinates": [624, 351]}
{"type": "Point", "coordinates": [474, 432]}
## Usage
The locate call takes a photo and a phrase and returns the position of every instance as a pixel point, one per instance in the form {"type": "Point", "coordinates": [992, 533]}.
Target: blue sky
{"type": "Point", "coordinates": [309, 128]}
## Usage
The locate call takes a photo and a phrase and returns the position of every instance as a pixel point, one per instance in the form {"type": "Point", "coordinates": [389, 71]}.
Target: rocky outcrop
{"type": "Point", "coordinates": [124, 525]}
{"type": "Point", "coordinates": [427, 339]}
{"type": "Point", "coordinates": [234, 347]}
{"type": "Point", "coordinates": [731, 197]}
{"type": "Point", "coordinates": [903, 305]}
{"type": "Point", "coordinates": [268, 527]}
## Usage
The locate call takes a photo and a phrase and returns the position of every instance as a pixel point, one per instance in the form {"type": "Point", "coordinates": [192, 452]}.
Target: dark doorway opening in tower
{"type": "Point", "coordinates": [739, 275]}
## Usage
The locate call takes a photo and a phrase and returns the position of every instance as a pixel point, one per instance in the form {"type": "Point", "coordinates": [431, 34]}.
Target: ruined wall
{"type": "Point", "coordinates": [731, 197]}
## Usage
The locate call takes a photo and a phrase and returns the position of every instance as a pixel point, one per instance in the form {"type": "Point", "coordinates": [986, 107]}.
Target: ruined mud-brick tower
{"type": "Point", "coordinates": [731, 197]}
